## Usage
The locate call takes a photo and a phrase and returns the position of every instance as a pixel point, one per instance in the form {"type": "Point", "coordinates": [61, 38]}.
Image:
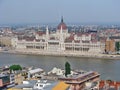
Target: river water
{"type": "Point", "coordinates": [109, 69]}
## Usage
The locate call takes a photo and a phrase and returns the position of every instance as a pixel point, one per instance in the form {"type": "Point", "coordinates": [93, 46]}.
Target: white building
{"type": "Point", "coordinates": [57, 71]}
{"type": "Point", "coordinates": [31, 73]}
{"type": "Point", "coordinates": [61, 41]}
{"type": "Point", "coordinates": [12, 78]}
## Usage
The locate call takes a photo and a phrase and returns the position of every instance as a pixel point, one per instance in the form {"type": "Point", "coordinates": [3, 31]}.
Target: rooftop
{"type": "Point", "coordinates": [31, 84]}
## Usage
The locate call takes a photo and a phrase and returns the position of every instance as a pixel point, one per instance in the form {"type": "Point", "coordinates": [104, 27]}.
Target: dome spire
{"type": "Point", "coordinates": [62, 19]}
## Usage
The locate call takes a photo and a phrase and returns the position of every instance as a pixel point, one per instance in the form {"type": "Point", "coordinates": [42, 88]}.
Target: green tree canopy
{"type": "Point", "coordinates": [67, 69]}
{"type": "Point", "coordinates": [15, 67]}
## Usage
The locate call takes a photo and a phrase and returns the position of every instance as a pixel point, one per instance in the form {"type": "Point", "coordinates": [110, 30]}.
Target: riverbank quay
{"type": "Point", "coordinates": [64, 54]}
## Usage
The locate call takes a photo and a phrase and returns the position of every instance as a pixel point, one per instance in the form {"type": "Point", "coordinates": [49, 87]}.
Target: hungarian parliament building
{"type": "Point", "coordinates": [61, 41]}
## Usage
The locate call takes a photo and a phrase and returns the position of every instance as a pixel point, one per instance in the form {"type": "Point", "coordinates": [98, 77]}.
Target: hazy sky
{"type": "Point", "coordinates": [50, 11]}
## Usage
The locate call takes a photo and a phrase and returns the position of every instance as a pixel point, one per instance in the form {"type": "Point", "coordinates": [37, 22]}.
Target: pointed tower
{"type": "Point", "coordinates": [62, 45]}
{"type": "Point", "coordinates": [47, 33]}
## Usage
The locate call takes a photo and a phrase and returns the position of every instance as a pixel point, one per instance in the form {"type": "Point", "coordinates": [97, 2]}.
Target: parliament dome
{"type": "Point", "coordinates": [62, 24]}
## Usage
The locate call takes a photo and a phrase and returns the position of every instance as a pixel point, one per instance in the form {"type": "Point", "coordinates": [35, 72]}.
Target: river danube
{"type": "Point", "coordinates": [109, 69]}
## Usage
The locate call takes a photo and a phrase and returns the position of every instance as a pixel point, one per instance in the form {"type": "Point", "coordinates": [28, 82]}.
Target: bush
{"type": "Point", "coordinates": [15, 67]}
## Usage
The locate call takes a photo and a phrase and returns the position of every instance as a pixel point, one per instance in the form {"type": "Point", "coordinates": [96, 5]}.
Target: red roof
{"type": "Point", "coordinates": [18, 33]}
{"type": "Point", "coordinates": [113, 84]}
{"type": "Point", "coordinates": [40, 33]}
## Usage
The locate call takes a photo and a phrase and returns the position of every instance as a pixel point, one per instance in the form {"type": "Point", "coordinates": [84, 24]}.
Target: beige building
{"type": "Point", "coordinates": [5, 40]}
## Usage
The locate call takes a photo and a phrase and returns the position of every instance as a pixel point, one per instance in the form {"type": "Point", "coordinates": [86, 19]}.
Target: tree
{"type": "Point", "coordinates": [15, 67]}
{"type": "Point", "coordinates": [117, 44]}
{"type": "Point", "coordinates": [67, 69]}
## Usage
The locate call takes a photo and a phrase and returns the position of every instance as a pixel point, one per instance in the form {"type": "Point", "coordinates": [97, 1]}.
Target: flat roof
{"type": "Point", "coordinates": [81, 75]}
{"type": "Point", "coordinates": [3, 75]}
{"type": "Point", "coordinates": [35, 70]}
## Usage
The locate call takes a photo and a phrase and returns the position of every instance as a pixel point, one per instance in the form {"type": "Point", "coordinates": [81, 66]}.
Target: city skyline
{"type": "Point", "coordinates": [43, 11]}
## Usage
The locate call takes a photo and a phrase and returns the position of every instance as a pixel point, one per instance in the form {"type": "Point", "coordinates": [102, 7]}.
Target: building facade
{"type": "Point", "coordinates": [110, 46]}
